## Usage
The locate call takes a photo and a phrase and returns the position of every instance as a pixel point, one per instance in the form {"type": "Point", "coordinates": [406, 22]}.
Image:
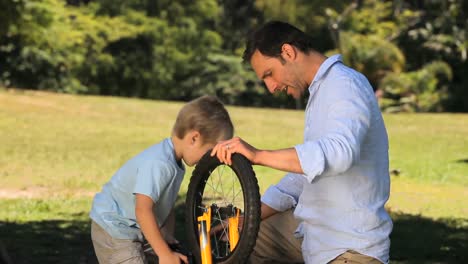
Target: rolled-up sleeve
{"type": "Point", "coordinates": [311, 158]}
{"type": "Point", "coordinates": [346, 122]}
{"type": "Point", "coordinates": [285, 194]}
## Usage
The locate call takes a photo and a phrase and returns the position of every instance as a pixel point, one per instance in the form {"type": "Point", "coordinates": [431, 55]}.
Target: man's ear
{"type": "Point", "coordinates": [288, 52]}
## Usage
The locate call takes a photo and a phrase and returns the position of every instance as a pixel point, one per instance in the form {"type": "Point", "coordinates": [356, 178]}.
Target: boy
{"type": "Point", "coordinates": [138, 200]}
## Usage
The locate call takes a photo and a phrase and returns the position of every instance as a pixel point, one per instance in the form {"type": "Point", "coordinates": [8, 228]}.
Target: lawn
{"type": "Point", "coordinates": [57, 150]}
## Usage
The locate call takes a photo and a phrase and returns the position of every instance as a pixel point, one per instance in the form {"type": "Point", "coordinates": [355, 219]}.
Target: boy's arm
{"type": "Point", "coordinates": [149, 227]}
{"type": "Point", "coordinates": [168, 228]}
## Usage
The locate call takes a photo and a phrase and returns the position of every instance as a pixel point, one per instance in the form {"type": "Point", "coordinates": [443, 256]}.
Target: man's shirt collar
{"type": "Point", "coordinates": [323, 69]}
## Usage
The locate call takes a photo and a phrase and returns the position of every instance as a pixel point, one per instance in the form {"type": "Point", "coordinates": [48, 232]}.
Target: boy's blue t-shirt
{"type": "Point", "coordinates": [155, 173]}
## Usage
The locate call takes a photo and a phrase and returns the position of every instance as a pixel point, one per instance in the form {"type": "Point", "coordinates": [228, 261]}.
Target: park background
{"type": "Point", "coordinates": [85, 85]}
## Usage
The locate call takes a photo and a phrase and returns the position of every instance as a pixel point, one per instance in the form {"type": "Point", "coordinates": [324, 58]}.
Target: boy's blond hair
{"type": "Point", "coordinates": [206, 115]}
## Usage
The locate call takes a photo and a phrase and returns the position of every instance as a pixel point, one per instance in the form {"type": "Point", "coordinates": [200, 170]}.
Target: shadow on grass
{"type": "Point", "coordinates": [58, 241]}
{"type": "Point", "coordinates": [51, 241]}
{"type": "Point", "coordinates": [415, 239]}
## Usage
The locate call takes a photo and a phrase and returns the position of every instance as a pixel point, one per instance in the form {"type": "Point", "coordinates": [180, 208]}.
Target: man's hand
{"type": "Point", "coordinates": [224, 150]}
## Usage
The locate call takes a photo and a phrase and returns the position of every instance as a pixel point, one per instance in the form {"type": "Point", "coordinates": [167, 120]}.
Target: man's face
{"type": "Point", "coordinates": [277, 74]}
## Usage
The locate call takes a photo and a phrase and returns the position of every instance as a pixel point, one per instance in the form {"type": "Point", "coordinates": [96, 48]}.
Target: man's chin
{"type": "Point", "coordinates": [295, 95]}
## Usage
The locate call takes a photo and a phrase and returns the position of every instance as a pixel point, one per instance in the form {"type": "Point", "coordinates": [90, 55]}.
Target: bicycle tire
{"type": "Point", "coordinates": [251, 201]}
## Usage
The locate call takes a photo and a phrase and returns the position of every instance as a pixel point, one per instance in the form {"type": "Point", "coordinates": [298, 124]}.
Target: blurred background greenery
{"type": "Point", "coordinates": [414, 52]}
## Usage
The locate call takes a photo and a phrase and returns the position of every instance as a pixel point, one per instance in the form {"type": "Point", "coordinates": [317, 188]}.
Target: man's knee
{"type": "Point", "coordinates": [276, 242]}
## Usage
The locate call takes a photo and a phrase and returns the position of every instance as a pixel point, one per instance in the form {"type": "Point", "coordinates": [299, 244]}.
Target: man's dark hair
{"type": "Point", "coordinates": [270, 37]}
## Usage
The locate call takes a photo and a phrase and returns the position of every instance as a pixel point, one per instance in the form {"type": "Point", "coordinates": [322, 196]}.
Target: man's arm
{"type": "Point", "coordinates": [267, 211]}
{"type": "Point", "coordinates": [342, 131]}
{"type": "Point", "coordinates": [283, 159]}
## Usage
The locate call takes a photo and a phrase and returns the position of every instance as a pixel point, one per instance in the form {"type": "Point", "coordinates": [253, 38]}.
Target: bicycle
{"type": "Point", "coordinates": [222, 210]}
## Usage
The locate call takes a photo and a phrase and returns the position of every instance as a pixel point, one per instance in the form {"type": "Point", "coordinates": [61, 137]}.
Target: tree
{"type": "Point", "coordinates": [422, 90]}
{"type": "Point", "coordinates": [236, 18]}
{"type": "Point", "coordinates": [441, 33]}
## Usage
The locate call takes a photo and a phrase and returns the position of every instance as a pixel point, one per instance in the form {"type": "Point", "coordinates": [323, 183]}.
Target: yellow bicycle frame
{"type": "Point", "coordinates": [233, 230]}
{"type": "Point", "coordinates": [204, 226]}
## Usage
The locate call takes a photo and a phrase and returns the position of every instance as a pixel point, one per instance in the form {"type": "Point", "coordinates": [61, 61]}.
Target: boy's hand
{"type": "Point", "coordinates": [224, 150]}
{"type": "Point", "coordinates": [173, 258]}
{"type": "Point", "coordinates": [182, 257]}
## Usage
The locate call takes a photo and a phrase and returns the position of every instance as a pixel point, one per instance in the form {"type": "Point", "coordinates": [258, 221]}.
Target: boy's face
{"type": "Point", "coordinates": [194, 153]}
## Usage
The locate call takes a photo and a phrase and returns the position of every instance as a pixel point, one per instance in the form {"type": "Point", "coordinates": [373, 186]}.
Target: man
{"type": "Point", "coordinates": [329, 208]}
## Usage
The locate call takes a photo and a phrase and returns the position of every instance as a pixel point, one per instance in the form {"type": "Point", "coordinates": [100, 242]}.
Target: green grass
{"type": "Point", "coordinates": [60, 149]}
{"type": "Point", "coordinates": [430, 147]}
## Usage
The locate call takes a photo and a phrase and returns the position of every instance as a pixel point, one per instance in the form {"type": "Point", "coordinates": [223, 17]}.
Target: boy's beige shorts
{"type": "Point", "coordinates": [112, 250]}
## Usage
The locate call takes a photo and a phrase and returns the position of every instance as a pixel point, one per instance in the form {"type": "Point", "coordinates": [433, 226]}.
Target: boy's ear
{"type": "Point", "coordinates": [194, 136]}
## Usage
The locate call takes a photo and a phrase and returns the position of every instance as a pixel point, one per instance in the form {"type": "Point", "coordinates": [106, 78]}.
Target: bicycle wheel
{"type": "Point", "coordinates": [225, 190]}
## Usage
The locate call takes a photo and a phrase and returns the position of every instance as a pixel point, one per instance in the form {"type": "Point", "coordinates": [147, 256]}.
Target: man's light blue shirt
{"type": "Point", "coordinates": [341, 195]}
{"type": "Point", "coordinates": [154, 173]}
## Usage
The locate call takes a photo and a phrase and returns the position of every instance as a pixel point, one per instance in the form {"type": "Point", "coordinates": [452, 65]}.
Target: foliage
{"type": "Point", "coordinates": [235, 20]}
{"type": "Point", "coordinates": [364, 34]}
{"type": "Point", "coordinates": [51, 44]}
{"type": "Point", "coordinates": [441, 34]}
{"type": "Point", "coordinates": [416, 91]}
{"type": "Point", "coordinates": [444, 31]}
{"type": "Point", "coordinates": [180, 49]}
{"type": "Point", "coordinates": [367, 33]}
{"type": "Point", "coordinates": [10, 11]}
{"type": "Point", "coordinates": [373, 56]}
{"type": "Point", "coordinates": [308, 15]}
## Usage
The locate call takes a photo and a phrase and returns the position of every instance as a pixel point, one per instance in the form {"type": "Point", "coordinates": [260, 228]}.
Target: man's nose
{"type": "Point", "coordinates": [271, 85]}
